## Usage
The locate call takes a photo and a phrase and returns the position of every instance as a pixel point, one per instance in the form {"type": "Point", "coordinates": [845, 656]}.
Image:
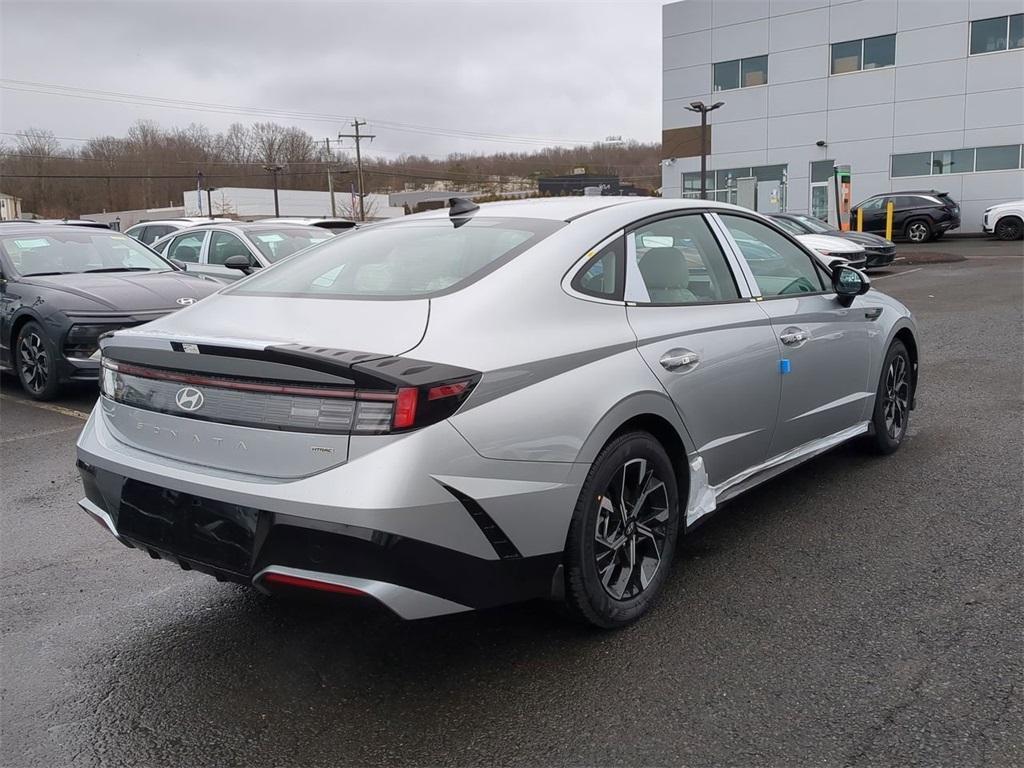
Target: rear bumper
{"type": "Point", "coordinates": [448, 552]}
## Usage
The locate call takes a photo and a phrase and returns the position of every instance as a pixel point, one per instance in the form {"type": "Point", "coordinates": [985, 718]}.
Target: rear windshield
{"type": "Point", "coordinates": [401, 260]}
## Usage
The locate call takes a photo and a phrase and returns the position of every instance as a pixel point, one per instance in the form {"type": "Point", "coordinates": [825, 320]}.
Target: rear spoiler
{"type": "Point", "coordinates": [293, 363]}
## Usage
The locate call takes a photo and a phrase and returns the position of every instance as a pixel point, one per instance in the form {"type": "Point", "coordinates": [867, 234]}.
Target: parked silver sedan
{"type": "Point", "coordinates": [228, 251]}
{"type": "Point", "coordinates": [480, 405]}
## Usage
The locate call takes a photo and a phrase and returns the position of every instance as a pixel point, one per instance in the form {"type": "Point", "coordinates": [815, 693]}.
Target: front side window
{"type": "Point", "coordinates": [602, 275]}
{"type": "Point", "coordinates": [186, 248]}
{"type": "Point", "coordinates": [680, 262]}
{"type": "Point", "coordinates": [780, 267]}
{"type": "Point", "coordinates": [76, 251]}
{"type": "Point", "coordinates": [401, 260]}
{"type": "Point", "coordinates": [872, 204]}
{"type": "Point", "coordinates": [224, 245]}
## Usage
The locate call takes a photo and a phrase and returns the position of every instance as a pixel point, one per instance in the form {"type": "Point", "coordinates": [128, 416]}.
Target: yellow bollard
{"type": "Point", "coordinates": [888, 220]}
{"type": "Point", "coordinates": [860, 220]}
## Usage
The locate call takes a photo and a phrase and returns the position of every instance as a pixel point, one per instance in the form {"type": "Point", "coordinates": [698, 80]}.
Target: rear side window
{"type": "Point", "coordinates": [402, 260]}
{"type": "Point", "coordinates": [602, 275]}
{"type": "Point", "coordinates": [680, 262]}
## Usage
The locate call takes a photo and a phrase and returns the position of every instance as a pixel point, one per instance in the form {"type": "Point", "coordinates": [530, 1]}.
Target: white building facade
{"type": "Point", "coordinates": [911, 94]}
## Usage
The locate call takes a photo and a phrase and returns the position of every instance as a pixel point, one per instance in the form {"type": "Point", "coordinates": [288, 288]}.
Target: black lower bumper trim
{"type": "Point", "coordinates": [234, 543]}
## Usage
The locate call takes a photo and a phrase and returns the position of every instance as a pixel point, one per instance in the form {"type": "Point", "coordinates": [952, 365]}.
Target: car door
{"type": "Point", "coordinates": [706, 340]}
{"type": "Point", "coordinates": [825, 351]}
{"type": "Point", "coordinates": [223, 245]}
{"type": "Point", "coordinates": [874, 214]}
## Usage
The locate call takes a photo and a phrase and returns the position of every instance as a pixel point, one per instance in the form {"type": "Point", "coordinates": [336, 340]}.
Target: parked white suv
{"type": "Point", "coordinates": [148, 232]}
{"type": "Point", "coordinates": [1005, 221]}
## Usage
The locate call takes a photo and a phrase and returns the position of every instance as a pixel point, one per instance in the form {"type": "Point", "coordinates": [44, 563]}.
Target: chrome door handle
{"type": "Point", "coordinates": [678, 358]}
{"type": "Point", "coordinates": [793, 337]}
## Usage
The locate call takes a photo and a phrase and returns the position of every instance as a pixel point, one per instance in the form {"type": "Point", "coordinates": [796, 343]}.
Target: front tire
{"type": "Point", "coordinates": [623, 533]}
{"type": "Point", "coordinates": [35, 360]}
{"type": "Point", "coordinates": [892, 401]}
{"type": "Point", "coordinates": [918, 231]}
{"type": "Point", "coordinates": [1010, 228]}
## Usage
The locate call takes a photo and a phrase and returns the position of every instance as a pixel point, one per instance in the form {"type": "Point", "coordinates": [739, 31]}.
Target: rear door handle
{"type": "Point", "coordinates": [795, 336]}
{"type": "Point", "coordinates": [675, 359]}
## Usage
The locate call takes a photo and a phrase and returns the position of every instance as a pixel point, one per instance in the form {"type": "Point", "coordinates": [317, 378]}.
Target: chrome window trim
{"type": "Point", "coordinates": [581, 262]}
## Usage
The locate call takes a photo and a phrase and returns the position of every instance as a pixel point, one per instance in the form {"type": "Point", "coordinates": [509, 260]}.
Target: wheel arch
{"type": "Point", "coordinates": [647, 412]}
{"type": "Point", "coordinates": [16, 325]}
{"type": "Point", "coordinates": [906, 335]}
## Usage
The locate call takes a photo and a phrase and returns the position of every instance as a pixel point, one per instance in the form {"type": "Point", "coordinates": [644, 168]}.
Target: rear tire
{"type": "Point", "coordinates": [918, 231]}
{"type": "Point", "coordinates": [623, 533]}
{"type": "Point", "coordinates": [1010, 228]}
{"type": "Point", "coordinates": [892, 401]}
{"type": "Point", "coordinates": [35, 362]}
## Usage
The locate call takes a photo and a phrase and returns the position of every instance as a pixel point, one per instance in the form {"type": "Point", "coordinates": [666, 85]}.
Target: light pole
{"type": "Point", "coordinates": [274, 169]}
{"type": "Point", "coordinates": [209, 199]}
{"type": "Point", "coordinates": [700, 106]}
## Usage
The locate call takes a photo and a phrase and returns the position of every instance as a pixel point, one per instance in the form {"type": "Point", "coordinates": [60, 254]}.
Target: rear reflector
{"type": "Point", "coordinates": [284, 580]}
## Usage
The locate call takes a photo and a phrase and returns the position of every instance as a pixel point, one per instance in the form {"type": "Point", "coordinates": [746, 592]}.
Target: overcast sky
{"type": "Point", "coordinates": [559, 70]}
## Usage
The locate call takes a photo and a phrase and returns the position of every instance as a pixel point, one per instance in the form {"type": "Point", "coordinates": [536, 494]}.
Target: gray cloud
{"type": "Point", "coordinates": [557, 70]}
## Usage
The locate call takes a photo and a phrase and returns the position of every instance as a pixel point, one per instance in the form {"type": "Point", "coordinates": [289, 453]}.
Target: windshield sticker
{"type": "Point", "coordinates": [271, 238]}
{"type": "Point", "coordinates": [39, 242]}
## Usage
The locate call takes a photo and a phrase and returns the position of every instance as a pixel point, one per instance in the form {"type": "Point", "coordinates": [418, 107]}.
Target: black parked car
{"type": "Point", "coordinates": [918, 215]}
{"type": "Point", "coordinates": [878, 250]}
{"type": "Point", "coordinates": [61, 287]}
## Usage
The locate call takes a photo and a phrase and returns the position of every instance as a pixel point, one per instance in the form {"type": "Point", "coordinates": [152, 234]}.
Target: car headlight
{"type": "Point", "coordinates": [83, 340]}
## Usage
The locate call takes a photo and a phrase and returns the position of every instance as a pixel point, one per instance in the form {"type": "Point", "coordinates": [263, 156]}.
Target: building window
{"type": "Point", "coordinates": [1002, 158]}
{"type": "Point", "coordinates": [913, 164]}
{"type": "Point", "coordinates": [941, 162]}
{"type": "Point", "coordinates": [953, 161]}
{"type": "Point", "coordinates": [998, 34]}
{"type": "Point", "coordinates": [721, 185]}
{"type": "Point", "coordinates": [741, 73]}
{"type": "Point", "coordinates": [1001, 33]}
{"type": "Point", "coordinates": [868, 53]}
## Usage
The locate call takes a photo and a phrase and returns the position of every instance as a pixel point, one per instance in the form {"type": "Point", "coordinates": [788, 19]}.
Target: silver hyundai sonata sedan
{"type": "Point", "coordinates": [476, 406]}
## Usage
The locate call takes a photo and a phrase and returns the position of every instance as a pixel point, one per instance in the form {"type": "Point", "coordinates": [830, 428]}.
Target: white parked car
{"type": "Point", "coordinates": [335, 225]}
{"type": "Point", "coordinates": [149, 232]}
{"type": "Point", "coordinates": [836, 249]}
{"type": "Point", "coordinates": [1005, 221]}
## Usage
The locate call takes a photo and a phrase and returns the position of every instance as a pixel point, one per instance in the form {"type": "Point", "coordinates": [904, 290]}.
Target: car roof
{"type": "Point", "coordinates": [569, 208]}
{"type": "Point", "coordinates": [44, 228]}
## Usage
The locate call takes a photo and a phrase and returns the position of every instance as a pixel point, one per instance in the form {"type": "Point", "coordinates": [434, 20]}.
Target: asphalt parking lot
{"type": "Point", "coordinates": [858, 611]}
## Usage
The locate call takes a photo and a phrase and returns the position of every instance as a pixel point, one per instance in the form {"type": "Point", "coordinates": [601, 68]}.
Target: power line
{"type": "Point", "coordinates": [53, 89]}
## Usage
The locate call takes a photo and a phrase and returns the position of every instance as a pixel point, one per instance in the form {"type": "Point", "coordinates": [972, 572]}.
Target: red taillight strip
{"type": "Point", "coordinates": [284, 580]}
{"type": "Point", "coordinates": [244, 386]}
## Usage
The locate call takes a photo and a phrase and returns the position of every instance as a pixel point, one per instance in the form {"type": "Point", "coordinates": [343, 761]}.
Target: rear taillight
{"type": "Point", "coordinates": [280, 405]}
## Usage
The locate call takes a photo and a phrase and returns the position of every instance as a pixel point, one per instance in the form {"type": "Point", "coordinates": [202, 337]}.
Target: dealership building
{"type": "Point", "coordinates": [910, 94]}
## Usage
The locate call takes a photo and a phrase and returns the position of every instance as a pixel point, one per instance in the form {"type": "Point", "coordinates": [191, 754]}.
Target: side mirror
{"type": "Point", "coordinates": [179, 264]}
{"type": "Point", "coordinates": [848, 283]}
{"type": "Point", "coordinates": [240, 262]}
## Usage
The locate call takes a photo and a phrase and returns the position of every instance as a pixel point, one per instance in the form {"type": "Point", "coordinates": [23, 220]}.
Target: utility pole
{"type": "Point", "coordinates": [359, 160]}
{"type": "Point", "coordinates": [700, 106]}
{"type": "Point", "coordinates": [209, 200]}
{"type": "Point", "coordinates": [330, 181]}
{"type": "Point", "coordinates": [274, 169]}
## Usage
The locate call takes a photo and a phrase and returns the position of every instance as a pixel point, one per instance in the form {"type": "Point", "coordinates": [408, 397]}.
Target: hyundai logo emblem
{"type": "Point", "coordinates": [189, 399]}
{"type": "Point", "coordinates": [186, 300]}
